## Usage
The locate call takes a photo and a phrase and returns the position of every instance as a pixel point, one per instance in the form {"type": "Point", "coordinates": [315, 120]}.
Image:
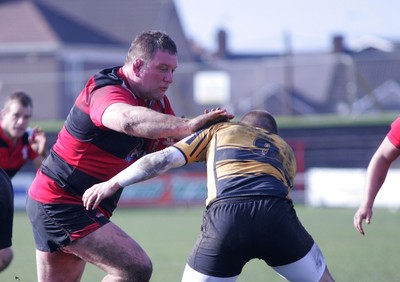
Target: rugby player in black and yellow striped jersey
{"type": "Point", "coordinates": [249, 213]}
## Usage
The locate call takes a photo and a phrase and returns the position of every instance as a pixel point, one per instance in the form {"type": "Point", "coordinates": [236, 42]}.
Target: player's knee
{"type": "Point", "coordinates": [5, 259]}
{"type": "Point", "coordinates": [145, 270]}
{"type": "Point", "coordinates": [140, 272]}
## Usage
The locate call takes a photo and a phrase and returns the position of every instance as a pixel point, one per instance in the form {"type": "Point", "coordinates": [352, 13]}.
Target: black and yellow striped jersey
{"type": "Point", "coordinates": [241, 161]}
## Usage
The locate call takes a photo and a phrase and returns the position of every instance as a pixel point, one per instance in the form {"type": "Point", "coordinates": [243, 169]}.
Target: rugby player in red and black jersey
{"type": "Point", "coordinates": [18, 142]}
{"type": "Point", "coordinates": [121, 114]}
{"type": "Point", "coordinates": [18, 145]}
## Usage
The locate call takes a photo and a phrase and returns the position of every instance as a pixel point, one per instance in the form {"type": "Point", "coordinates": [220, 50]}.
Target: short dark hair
{"type": "Point", "coordinates": [19, 96]}
{"type": "Point", "coordinates": [146, 44]}
{"type": "Point", "coordinates": [261, 119]}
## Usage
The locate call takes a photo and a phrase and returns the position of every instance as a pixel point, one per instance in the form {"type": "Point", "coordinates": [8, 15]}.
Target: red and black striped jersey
{"type": "Point", "coordinates": [14, 155]}
{"type": "Point", "coordinates": [86, 152]}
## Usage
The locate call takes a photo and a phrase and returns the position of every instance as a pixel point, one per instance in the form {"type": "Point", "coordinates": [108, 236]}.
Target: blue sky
{"type": "Point", "coordinates": [262, 25]}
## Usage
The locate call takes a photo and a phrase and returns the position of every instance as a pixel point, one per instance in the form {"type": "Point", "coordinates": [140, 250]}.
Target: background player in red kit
{"type": "Point", "coordinates": [18, 142]}
{"type": "Point", "coordinates": [18, 145]}
{"type": "Point", "coordinates": [119, 114]}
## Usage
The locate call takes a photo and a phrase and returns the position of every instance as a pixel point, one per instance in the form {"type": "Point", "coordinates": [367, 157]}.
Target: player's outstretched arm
{"type": "Point", "coordinates": [376, 175]}
{"type": "Point", "coordinates": [143, 122]}
{"type": "Point", "coordinates": [145, 168]}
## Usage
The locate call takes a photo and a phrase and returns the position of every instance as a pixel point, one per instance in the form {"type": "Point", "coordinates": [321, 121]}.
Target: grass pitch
{"type": "Point", "coordinates": [169, 234]}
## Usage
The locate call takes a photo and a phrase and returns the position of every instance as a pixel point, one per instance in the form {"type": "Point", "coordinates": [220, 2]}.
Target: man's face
{"type": "Point", "coordinates": [15, 119]}
{"type": "Point", "coordinates": [157, 75]}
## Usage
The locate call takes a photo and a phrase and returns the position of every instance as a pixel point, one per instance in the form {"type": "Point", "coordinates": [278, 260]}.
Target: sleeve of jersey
{"type": "Point", "coordinates": [394, 133]}
{"type": "Point", "coordinates": [104, 97]}
{"type": "Point", "coordinates": [194, 147]}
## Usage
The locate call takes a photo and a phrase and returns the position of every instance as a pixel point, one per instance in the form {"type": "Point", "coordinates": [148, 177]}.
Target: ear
{"type": "Point", "coordinates": [136, 66]}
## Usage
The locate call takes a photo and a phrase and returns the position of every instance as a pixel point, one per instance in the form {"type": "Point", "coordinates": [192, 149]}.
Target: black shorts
{"type": "Point", "coordinates": [6, 210]}
{"type": "Point", "coordinates": [57, 225]}
{"type": "Point", "coordinates": [235, 231]}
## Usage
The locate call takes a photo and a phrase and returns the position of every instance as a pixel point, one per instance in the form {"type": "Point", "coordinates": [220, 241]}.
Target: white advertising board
{"type": "Point", "coordinates": [332, 187]}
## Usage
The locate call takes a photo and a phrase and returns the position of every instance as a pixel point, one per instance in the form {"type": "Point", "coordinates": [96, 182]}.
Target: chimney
{"type": "Point", "coordinates": [222, 51]}
{"type": "Point", "coordinates": [338, 44]}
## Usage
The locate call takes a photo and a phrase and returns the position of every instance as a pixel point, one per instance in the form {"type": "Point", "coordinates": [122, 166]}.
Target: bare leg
{"type": "Point", "coordinates": [58, 267]}
{"type": "Point", "coordinates": [326, 277]}
{"type": "Point", "coordinates": [6, 256]}
{"type": "Point", "coordinates": [115, 252]}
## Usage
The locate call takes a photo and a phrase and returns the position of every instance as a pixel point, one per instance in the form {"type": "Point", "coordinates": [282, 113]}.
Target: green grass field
{"type": "Point", "coordinates": [169, 234]}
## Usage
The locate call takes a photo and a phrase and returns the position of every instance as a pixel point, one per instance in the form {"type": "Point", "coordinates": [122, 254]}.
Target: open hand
{"type": "Point", "coordinates": [95, 194]}
{"type": "Point", "coordinates": [361, 215]}
{"type": "Point", "coordinates": [209, 118]}
{"type": "Point", "coordinates": [38, 141]}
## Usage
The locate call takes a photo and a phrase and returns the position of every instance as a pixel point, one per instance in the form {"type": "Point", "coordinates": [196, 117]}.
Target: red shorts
{"type": "Point", "coordinates": [57, 225]}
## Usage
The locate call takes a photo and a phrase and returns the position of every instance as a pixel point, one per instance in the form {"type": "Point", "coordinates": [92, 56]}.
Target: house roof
{"type": "Point", "coordinates": [120, 19]}
{"type": "Point", "coordinates": [385, 97]}
{"type": "Point", "coordinates": [373, 42]}
{"type": "Point", "coordinates": [89, 22]}
{"type": "Point", "coordinates": [22, 21]}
